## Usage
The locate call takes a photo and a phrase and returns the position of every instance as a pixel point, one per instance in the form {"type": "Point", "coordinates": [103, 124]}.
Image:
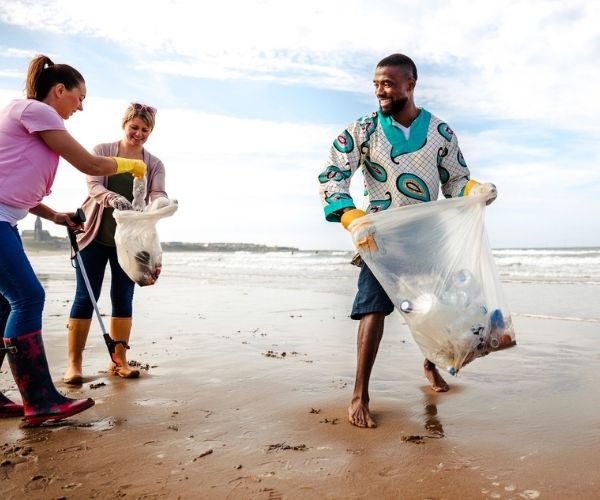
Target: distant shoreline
{"type": "Point", "coordinates": [57, 244]}
{"type": "Point", "coordinates": [176, 246]}
{"type": "Point", "coordinates": [62, 244]}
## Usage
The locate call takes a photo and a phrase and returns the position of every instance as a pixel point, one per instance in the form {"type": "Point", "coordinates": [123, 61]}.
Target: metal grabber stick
{"type": "Point", "coordinates": [111, 344]}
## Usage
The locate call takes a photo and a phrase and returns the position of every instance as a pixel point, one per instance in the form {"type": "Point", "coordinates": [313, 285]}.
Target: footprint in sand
{"type": "Point", "coordinates": [529, 494]}
{"type": "Point", "coordinates": [38, 482]}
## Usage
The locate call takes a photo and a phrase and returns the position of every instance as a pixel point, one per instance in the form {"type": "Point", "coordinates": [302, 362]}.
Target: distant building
{"type": "Point", "coordinates": [37, 234]}
{"type": "Point", "coordinates": [40, 239]}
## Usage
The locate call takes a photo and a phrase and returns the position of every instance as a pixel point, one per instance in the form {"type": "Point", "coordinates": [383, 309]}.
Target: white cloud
{"type": "Point", "coordinates": [527, 69]}
{"type": "Point", "coordinates": [11, 73]}
{"type": "Point", "coordinates": [236, 179]}
{"type": "Point", "coordinates": [534, 60]}
{"type": "Point", "coordinates": [16, 53]}
{"type": "Point", "coordinates": [260, 185]}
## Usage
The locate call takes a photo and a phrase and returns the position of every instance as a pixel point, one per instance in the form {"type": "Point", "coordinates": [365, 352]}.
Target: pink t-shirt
{"type": "Point", "coordinates": [27, 165]}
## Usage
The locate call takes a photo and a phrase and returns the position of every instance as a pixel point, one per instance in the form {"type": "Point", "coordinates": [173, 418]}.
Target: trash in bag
{"type": "Point", "coordinates": [435, 263]}
{"type": "Point", "coordinates": [138, 248]}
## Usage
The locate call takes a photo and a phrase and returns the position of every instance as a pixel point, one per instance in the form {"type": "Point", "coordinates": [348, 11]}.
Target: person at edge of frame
{"type": "Point", "coordinates": [32, 139]}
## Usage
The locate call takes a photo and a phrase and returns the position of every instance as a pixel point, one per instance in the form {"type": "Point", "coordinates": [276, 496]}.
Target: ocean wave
{"type": "Point", "coordinates": [575, 266]}
{"type": "Point", "coordinates": [561, 318]}
{"type": "Point", "coordinates": [551, 265]}
{"type": "Point", "coordinates": [566, 264]}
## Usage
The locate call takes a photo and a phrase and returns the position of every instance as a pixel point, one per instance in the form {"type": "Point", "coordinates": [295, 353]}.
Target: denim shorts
{"type": "Point", "coordinates": [371, 297]}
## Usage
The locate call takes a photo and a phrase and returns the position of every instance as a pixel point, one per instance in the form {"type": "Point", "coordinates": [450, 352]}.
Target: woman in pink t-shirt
{"type": "Point", "coordinates": [32, 138]}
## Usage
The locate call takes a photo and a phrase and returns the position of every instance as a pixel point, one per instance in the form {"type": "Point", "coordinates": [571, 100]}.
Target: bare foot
{"type": "Point", "coordinates": [73, 376]}
{"type": "Point", "coordinates": [437, 383]}
{"type": "Point", "coordinates": [359, 415]}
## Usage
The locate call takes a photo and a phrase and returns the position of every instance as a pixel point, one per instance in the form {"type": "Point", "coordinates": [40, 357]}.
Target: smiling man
{"type": "Point", "coordinates": [406, 154]}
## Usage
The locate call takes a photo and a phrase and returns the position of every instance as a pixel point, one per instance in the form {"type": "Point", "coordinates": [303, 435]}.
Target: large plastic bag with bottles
{"type": "Point", "coordinates": [435, 263]}
{"type": "Point", "coordinates": [138, 248]}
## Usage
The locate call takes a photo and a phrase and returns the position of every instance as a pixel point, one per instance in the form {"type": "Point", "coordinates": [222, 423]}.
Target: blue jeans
{"type": "Point", "coordinates": [95, 257]}
{"type": "Point", "coordinates": [21, 293]}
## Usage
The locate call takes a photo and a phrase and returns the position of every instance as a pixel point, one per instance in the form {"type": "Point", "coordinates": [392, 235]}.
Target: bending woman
{"type": "Point", "coordinates": [32, 138]}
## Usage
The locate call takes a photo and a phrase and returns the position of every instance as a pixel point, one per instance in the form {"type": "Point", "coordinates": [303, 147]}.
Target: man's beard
{"type": "Point", "coordinates": [396, 106]}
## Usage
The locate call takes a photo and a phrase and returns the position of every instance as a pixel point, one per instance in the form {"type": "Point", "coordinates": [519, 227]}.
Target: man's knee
{"type": "Point", "coordinates": [373, 316]}
{"type": "Point", "coordinates": [372, 323]}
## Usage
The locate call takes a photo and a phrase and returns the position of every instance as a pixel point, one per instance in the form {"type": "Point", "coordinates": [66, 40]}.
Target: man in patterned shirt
{"type": "Point", "coordinates": [406, 154]}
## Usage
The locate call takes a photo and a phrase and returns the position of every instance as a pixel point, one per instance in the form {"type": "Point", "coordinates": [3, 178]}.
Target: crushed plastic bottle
{"type": "Point", "coordinates": [139, 193]}
{"type": "Point", "coordinates": [463, 279]}
{"type": "Point", "coordinates": [431, 314]}
{"type": "Point", "coordinates": [500, 332]}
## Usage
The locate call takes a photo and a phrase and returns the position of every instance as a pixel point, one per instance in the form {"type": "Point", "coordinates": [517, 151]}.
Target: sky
{"type": "Point", "coordinates": [251, 94]}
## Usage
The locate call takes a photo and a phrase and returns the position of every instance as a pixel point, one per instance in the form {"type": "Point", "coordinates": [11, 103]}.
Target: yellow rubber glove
{"type": "Point", "coordinates": [351, 215]}
{"type": "Point", "coordinates": [136, 167]}
{"type": "Point", "coordinates": [487, 190]}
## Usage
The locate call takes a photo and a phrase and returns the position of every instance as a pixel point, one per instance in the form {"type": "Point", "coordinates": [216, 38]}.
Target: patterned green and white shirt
{"type": "Point", "coordinates": [397, 171]}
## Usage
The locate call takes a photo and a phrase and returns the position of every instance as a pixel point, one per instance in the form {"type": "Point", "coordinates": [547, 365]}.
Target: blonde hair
{"type": "Point", "coordinates": [143, 111]}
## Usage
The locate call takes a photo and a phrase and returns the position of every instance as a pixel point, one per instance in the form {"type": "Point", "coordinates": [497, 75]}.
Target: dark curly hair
{"type": "Point", "coordinates": [400, 61]}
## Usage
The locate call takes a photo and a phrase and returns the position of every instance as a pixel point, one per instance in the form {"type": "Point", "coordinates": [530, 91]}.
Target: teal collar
{"type": "Point", "coordinates": [417, 138]}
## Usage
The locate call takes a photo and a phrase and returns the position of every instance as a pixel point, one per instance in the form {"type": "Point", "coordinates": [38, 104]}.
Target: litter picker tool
{"type": "Point", "coordinates": [111, 344]}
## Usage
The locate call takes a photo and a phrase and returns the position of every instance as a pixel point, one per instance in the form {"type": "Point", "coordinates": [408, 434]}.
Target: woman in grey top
{"type": "Point", "coordinates": [97, 244]}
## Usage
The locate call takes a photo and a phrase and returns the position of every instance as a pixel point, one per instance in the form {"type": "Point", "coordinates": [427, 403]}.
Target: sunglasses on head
{"type": "Point", "coordinates": [143, 107]}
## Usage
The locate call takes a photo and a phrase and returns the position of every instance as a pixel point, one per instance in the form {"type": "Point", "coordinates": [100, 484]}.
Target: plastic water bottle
{"type": "Point", "coordinates": [497, 320]}
{"type": "Point", "coordinates": [497, 327]}
{"type": "Point", "coordinates": [463, 299]}
{"type": "Point", "coordinates": [139, 193]}
{"type": "Point", "coordinates": [449, 298]}
{"type": "Point", "coordinates": [463, 279]}
{"type": "Point", "coordinates": [431, 315]}
{"type": "Point", "coordinates": [406, 306]}
{"type": "Point", "coordinates": [423, 303]}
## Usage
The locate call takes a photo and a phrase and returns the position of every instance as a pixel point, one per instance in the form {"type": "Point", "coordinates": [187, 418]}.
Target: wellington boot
{"type": "Point", "coordinates": [77, 333]}
{"type": "Point", "coordinates": [7, 407]}
{"type": "Point", "coordinates": [120, 329]}
{"type": "Point", "coordinates": [41, 400]}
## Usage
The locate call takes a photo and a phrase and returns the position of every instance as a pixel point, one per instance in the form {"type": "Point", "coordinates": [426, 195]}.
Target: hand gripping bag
{"type": "Point", "coordinates": [435, 263]}
{"type": "Point", "coordinates": [138, 248]}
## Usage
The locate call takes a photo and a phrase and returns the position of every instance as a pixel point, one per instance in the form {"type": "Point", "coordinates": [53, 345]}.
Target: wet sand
{"type": "Point", "coordinates": [244, 391]}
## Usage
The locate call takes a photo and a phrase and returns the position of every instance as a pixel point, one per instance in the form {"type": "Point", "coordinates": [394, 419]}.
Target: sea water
{"type": "Point", "coordinates": [561, 283]}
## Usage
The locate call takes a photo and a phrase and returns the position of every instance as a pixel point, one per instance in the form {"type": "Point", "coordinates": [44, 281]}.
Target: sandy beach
{"type": "Point", "coordinates": [246, 377]}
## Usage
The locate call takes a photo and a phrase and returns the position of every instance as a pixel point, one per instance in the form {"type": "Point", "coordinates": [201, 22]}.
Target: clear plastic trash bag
{"type": "Point", "coordinates": [435, 263]}
{"type": "Point", "coordinates": [138, 248]}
